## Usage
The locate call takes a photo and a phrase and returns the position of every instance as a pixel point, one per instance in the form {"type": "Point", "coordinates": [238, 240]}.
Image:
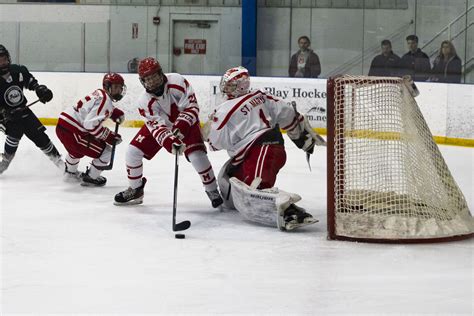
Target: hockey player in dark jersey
{"type": "Point", "coordinates": [17, 119]}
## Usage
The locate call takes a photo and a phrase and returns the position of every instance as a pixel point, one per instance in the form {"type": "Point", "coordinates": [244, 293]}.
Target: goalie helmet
{"type": "Point", "coordinates": [151, 76]}
{"type": "Point", "coordinates": [235, 82]}
{"type": "Point", "coordinates": [4, 69]}
{"type": "Point", "coordinates": [111, 79]}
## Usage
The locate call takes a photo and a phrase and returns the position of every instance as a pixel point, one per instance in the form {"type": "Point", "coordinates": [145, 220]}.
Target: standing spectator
{"type": "Point", "coordinates": [386, 64]}
{"type": "Point", "coordinates": [304, 63]}
{"type": "Point", "coordinates": [415, 63]}
{"type": "Point", "coordinates": [447, 66]}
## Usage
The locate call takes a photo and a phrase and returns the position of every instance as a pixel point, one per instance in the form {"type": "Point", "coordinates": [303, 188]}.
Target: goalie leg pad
{"type": "Point", "coordinates": [265, 207]}
{"type": "Point", "coordinates": [224, 185]}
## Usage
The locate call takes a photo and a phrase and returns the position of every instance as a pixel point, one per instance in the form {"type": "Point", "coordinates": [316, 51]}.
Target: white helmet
{"type": "Point", "coordinates": [235, 82]}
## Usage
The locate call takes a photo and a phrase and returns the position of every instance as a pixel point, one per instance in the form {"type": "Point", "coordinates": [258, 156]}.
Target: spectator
{"type": "Point", "coordinates": [415, 63]}
{"type": "Point", "coordinates": [304, 63]}
{"type": "Point", "coordinates": [386, 64]}
{"type": "Point", "coordinates": [447, 66]}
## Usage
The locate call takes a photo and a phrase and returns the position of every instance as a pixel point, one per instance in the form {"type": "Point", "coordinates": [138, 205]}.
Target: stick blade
{"type": "Point", "coordinates": [108, 167]}
{"type": "Point", "coordinates": [181, 226]}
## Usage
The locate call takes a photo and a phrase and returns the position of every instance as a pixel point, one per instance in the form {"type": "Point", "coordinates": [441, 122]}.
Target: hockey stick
{"type": "Point", "coordinates": [111, 163]}
{"type": "Point", "coordinates": [3, 122]}
{"type": "Point", "coordinates": [185, 224]}
{"type": "Point", "coordinates": [308, 155]}
{"type": "Point", "coordinates": [32, 103]}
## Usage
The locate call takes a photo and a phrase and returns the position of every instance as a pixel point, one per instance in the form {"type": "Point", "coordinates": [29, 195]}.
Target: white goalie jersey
{"type": "Point", "coordinates": [237, 123]}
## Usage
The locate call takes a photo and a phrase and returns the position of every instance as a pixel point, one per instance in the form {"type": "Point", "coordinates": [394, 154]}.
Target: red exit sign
{"type": "Point", "coordinates": [195, 46]}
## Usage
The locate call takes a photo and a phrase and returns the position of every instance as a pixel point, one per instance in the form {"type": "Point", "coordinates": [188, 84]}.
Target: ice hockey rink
{"type": "Point", "coordinates": [68, 249]}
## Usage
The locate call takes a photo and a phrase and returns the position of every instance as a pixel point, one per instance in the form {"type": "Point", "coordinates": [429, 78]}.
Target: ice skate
{"type": "Point", "coordinates": [75, 176]}
{"type": "Point", "coordinates": [56, 158]}
{"type": "Point", "coordinates": [5, 162]}
{"type": "Point", "coordinates": [215, 197]}
{"type": "Point", "coordinates": [87, 181]}
{"type": "Point", "coordinates": [131, 196]}
{"type": "Point", "coordinates": [294, 217]}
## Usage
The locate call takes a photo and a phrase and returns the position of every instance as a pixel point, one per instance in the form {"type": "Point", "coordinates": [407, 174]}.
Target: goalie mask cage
{"type": "Point", "coordinates": [387, 180]}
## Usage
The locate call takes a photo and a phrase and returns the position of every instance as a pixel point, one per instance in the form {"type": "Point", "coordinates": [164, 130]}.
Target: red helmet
{"type": "Point", "coordinates": [114, 78]}
{"type": "Point", "coordinates": [148, 66]}
{"type": "Point", "coordinates": [151, 76]}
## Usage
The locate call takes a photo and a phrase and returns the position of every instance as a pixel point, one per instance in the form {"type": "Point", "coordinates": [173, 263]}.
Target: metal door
{"type": "Point", "coordinates": [196, 47]}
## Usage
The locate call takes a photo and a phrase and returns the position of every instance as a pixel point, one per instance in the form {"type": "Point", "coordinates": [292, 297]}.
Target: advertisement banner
{"type": "Point", "coordinates": [309, 95]}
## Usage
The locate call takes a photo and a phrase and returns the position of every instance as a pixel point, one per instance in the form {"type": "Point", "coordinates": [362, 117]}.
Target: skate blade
{"type": "Point", "coordinates": [294, 225]}
{"type": "Point", "coordinates": [72, 179]}
{"type": "Point", "coordinates": [87, 184]}
{"type": "Point", "coordinates": [131, 202]}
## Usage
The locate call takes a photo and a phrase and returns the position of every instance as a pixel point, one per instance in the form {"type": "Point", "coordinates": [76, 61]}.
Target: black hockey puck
{"type": "Point", "coordinates": [179, 236]}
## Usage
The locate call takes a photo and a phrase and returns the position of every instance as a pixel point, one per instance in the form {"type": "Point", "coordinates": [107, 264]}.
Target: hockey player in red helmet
{"type": "Point", "coordinates": [81, 131]}
{"type": "Point", "coordinates": [257, 151]}
{"type": "Point", "coordinates": [171, 114]}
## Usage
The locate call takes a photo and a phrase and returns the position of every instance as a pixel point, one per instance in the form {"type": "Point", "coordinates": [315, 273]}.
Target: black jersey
{"type": "Point", "coordinates": [11, 88]}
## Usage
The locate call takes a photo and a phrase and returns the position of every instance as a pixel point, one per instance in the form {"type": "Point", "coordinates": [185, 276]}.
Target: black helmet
{"type": "Point", "coordinates": [4, 52]}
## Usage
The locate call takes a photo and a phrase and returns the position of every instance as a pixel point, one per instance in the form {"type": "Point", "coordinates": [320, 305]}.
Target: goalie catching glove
{"type": "Point", "coordinates": [304, 136]}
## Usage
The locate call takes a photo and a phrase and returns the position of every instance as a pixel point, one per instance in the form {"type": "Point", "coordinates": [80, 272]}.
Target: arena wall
{"type": "Point", "coordinates": [447, 108]}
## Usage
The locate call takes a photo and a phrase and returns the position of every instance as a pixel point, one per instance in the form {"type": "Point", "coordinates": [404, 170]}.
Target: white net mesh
{"type": "Point", "coordinates": [390, 180]}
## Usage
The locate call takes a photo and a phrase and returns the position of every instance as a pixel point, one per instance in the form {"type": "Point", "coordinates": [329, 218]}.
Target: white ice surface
{"type": "Point", "coordinates": [67, 249]}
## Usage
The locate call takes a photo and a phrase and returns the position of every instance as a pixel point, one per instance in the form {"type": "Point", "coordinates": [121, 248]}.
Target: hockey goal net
{"type": "Point", "coordinates": [387, 180]}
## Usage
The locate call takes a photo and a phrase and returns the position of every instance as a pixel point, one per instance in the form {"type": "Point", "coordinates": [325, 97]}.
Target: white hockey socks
{"type": "Point", "coordinates": [134, 164]}
{"type": "Point", "coordinates": [102, 161]}
{"type": "Point", "coordinates": [72, 163]}
{"type": "Point", "coordinates": [202, 165]}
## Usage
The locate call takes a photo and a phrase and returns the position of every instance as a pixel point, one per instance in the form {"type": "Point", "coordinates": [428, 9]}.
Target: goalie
{"type": "Point", "coordinates": [247, 125]}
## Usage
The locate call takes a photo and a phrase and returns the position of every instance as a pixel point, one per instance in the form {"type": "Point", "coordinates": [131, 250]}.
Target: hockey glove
{"type": "Point", "coordinates": [184, 122]}
{"type": "Point", "coordinates": [44, 94]}
{"type": "Point", "coordinates": [304, 137]}
{"type": "Point", "coordinates": [117, 116]}
{"type": "Point", "coordinates": [113, 138]}
{"type": "Point", "coordinates": [174, 145]}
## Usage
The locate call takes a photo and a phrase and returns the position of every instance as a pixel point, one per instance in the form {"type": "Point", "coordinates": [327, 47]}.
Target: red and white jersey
{"type": "Point", "coordinates": [87, 116]}
{"type": "Point", "coordinates": [178, 103]}
{"type": "Point", "coordinates": [238, 123]}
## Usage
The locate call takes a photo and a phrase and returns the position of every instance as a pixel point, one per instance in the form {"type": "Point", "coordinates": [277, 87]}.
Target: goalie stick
{"type": "Point", "coordinates": [112, 156]}
{"type": "Point", "coordinates": [184, 224]}
{"type": "Point", "coordinates": [308, 155]}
